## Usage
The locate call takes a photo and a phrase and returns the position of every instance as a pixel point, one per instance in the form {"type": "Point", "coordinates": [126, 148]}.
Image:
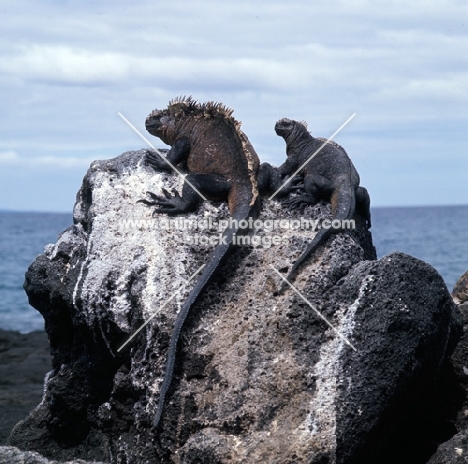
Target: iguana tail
{"type": "Point", "coordinates": [343, 206]}
{"type": "Point", "coordinates": [218, 257]}
{"type": "Point", "coordinates": [320, 238]}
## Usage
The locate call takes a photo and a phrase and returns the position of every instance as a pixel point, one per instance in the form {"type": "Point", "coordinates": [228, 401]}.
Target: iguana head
{"type": "Point", "coordinates": [287, 127]}
{"type": "Point", "coordinates": [284, 126]}
{"type": "Point", "coordinates": [160, 124]}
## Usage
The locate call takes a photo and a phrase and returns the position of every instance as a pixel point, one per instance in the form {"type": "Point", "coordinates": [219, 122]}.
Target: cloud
{"type": "Point", "coordinates": [12, 159]}
{"type": "Point", "coordinates": [8, 157]}
{"type": "Point", "coordinates": [60, 63]}
{"type": "Point", "coordinates": [66, 70]}
{"type": "Point", "coordinates": [66, 64]}
{"type": "Point", "coordinates": [399, 64]}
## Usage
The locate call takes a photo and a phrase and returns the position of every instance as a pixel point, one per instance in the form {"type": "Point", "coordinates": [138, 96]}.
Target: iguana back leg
{"type": "Point", "coordinates": [316, 187]}
{"type": "Point", "coordinates": [211, 185]}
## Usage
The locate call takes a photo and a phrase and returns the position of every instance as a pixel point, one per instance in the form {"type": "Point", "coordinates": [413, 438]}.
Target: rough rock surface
{"type": "Point", "coordinates": [260, 377]}
{"type": "Point", "coordinates": [455, 450]}
{"type": "Point", "coordinates": [12, 455]}
{"type": "Point", "coordinates": [460, 290]}
{"type": "Point", "coordinates": [24, 361]}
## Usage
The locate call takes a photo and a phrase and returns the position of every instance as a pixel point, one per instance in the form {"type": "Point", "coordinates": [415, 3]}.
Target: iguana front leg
{"type": "Point", "coordinates": [171, 204]}
{"type": "Point", "coordinates": [176, 155]}
{"type": "Point", "coordinates": [289, 166]}
{"type": "Point", "coordinates": [271, 179]}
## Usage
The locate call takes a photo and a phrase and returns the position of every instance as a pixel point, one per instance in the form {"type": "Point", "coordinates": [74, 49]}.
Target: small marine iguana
{"type": "Point", "coordinates": [329, 175]}
{"type": "Point", "coordinates": [222, 164]}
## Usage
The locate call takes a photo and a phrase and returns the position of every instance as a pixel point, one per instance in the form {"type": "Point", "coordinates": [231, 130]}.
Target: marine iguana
{"type": "Point", "coordinates": [221, 164]}
{"type": "Point", "coordinates": [329, 175]}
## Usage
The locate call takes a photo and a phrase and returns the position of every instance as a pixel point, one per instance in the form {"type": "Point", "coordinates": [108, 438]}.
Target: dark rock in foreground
{"type": "Point", "coordinates": [24, 362]}
{"type": "Point", "coordinates": [260, 377]}
{"type": "Point", "coordinates": [455, 450]}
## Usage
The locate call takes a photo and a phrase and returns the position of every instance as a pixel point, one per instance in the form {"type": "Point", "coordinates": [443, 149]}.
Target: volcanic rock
{"type": "Point", "coordinates": [347, 369]}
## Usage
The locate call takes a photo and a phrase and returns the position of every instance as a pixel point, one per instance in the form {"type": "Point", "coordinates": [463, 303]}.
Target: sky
{"type": "Point", "coordinates": [68, 68]}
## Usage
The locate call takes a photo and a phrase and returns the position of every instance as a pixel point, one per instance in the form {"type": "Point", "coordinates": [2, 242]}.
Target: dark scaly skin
{"type": "Point", "coordinates": [329, 175]}
{"type": "Point", "coordinates": [222, 164]}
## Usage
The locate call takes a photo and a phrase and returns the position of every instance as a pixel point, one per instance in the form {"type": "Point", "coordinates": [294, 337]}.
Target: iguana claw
{"type": "Point", "coordinates": [156, 161]}
{"type": "Point", "coordinates": [168, 203]}
{"type": "Point", "coordinates": [300, 201]}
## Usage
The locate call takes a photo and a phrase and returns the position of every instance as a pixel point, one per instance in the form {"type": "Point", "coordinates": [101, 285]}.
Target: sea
{"type": "Point", "coordinates": [437, 235]}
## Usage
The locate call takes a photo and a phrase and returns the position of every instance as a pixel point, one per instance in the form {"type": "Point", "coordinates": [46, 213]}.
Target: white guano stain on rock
{"type": "Point", "coordinates": [113, 241]}
{"type": "Point", "coordinates": [321, 421]}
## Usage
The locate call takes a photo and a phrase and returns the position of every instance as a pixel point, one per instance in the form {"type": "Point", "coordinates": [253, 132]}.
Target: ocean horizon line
{"type": "Point", "coordinates": [442, 205]}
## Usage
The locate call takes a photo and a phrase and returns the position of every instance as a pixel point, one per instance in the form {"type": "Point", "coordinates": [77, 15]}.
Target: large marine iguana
{"type": "Point", "coordinates": [222, 164]}
{"type": "Point", "coordinates": [329, 175]}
